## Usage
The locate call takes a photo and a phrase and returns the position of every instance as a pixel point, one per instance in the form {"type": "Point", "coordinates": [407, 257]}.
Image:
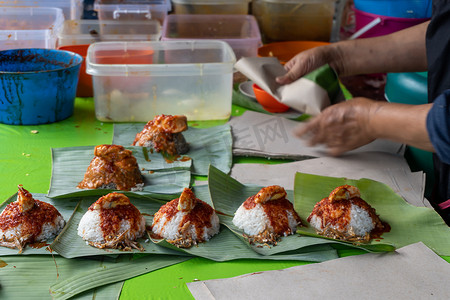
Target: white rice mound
{"type": "Point", "coordinates": [138, 187]}
{"type": "Point", "coordinates": [170, 229]}
{"type": "Point", "coordinates": [49, 231]}
{"type": "Point", "coordinates": [112, 186]}
{"type": "Point", "coordinates": [360, 222]}
{"type": "Point", "coordinates": [254, 221]}
{"type": "Point", "coordinates": [89, 228]}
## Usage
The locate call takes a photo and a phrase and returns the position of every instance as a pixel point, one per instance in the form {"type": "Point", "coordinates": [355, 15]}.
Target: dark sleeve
{"type": "Point", "coordinates": [438, 126]}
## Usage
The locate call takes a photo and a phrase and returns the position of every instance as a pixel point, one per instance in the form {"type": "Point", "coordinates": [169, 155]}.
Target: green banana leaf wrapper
{"type": "Point", "coordinates": [228, 194]}
{"type": "Point", "coordinates": [70, 164]}
{"type": "Point", "coordinates": [409, 224]}
{"type": "Point", "coordinates": [208, 146]}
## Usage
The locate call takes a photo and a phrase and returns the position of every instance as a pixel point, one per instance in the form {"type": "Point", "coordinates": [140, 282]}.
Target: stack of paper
{"type": "Point", "coordinates": [391, 169]}
{"type": "Point", "coordinates": [257, 134]}
{"type": "Point", "coordinates": [412, 272]}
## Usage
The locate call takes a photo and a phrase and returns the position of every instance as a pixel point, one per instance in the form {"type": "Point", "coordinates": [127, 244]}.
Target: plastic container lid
{"type": "Point", "coordinates": [76, 32]}
{"type": "Point", "coordinates": [241, 32]}
{"type": "Point", "coordinates": [72, 9]}
{"type": "Point", "coordinates": [30, 23]}
{"type": "Point", "coordinates": [132, 4]}
{"type": "Point", "coordinates": [212, 27]}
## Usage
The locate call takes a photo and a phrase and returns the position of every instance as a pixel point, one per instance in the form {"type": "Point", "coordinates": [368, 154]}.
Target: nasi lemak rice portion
{"type": "Point", "coordinates": [28, 220]}
{"type": "Point", "coordinates": [186, 221]}
{"type": "Point", "coordinates": [112, 222]}
{"type": "Point", "coordinates": [113, 167]}
{"type": "Point", "coordinates": [267, 216]}
{"type": "Point", "coordinates": [344, 215]}
{"type": "Point", "coordinates": [164, 134]}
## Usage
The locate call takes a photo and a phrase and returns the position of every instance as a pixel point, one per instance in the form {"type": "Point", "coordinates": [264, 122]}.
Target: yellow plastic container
{"type": "Point", "coordinates": [211, 7]}
{"type": "Point", "coordinates": [295, 20]}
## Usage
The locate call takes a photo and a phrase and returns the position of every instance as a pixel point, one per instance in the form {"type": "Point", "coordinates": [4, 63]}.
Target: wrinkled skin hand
{"type": "Point", "coordinates": [341, 127]}
{"type": "Point", "coordinates": [307, 61]}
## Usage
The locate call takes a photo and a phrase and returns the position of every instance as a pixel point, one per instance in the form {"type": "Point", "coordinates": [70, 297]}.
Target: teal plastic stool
{"type": "Point", "coordinates": [412, 88]}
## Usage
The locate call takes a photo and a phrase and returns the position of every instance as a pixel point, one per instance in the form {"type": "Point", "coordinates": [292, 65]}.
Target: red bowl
{"type": "Point", "coordinates": [267, 101]}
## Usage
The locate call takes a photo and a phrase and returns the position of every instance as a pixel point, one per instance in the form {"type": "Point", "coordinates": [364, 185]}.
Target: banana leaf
{"type": "Point", "coordinates": [65, 208]}
{"type": "Point", "coordinates": [34, 276]}
{"type": "Point", "coordinates": [70, 164]}
{"type": "Point", "coordinates": [126, 267]}
{"type": "Point", "coordinates": [207, 145]}
{"type": "Point", "coordinates": [69, 244]}
{"type": "Point", "coordinates": [228, 194]}
{"type": "Point", "coordinates": [223, 246]}
{"type": "Point", "coordinates": [227, 246]}
{"type": "Point", "coordinates": [409, 224]}
{"type": "Point", "coordinates": [224, 187]}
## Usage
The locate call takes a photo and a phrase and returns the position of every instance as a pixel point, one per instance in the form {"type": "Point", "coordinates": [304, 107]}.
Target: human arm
{"type": "Point", "coordinates": [402, 51]}
{"type": "Point", "coordinates": [348, 125]}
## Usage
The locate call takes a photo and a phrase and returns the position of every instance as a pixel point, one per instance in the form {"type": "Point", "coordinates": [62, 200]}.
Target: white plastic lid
{"type": "Point", "coordinates": [160, 4]}
{"type": "Point", "coordinates": [71, 8]}
{"type": "Point", "coordinates": [110, 30]}
{"type": "Point", "coordinates": [19, 23]}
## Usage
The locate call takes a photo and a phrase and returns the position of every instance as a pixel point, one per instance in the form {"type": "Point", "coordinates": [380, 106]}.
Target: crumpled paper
{"type": "Point", "coordinates": [310, 94]}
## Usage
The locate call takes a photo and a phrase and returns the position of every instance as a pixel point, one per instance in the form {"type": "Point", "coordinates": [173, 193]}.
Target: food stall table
{"type": "Point", "coordinates": [26, 159]}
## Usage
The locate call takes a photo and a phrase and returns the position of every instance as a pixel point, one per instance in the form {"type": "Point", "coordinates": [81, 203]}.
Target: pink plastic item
{"type": "Point", "coordinates": [445, 204]}
{"type": "Point", "coordinates": [387, 24]}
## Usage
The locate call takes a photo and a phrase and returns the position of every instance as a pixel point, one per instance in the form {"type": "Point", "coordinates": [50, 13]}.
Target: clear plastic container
{"type": "Point", "coordinates": [29, 27]}
{"type": "Point", "coordinates": [295, 20]}
{"type": "Point", "coordinates": [134, 81]}
{"type": "Point", "coordinates": [72, 9]}
{"type": "Point", "coordinates": [79, 32]}
{"type": "Point", "coordinates": [241, 32]}
{"type": "Point", "coordinates": [77, 35]}
{"type": "Point", "coordinates": [211, 7]}
{"type": "Point", "coordinates": [132, 9]}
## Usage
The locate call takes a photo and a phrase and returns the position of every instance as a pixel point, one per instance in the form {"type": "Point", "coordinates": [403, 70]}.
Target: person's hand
{"type": "Point", "coordinates": [306, 62]}
{"type": "Point", "coordinates": [341, 127]}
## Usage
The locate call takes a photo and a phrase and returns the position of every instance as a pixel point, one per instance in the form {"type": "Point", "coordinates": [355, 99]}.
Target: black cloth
{"type": "Point", "coordinates": [438, 55]}
{"type": "Point", "coordinates": [438, 126]}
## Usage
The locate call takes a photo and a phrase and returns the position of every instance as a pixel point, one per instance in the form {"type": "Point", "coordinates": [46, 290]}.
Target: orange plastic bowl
{"type": "Point", "coordinates": [268, 102]}
{"type": "Point", "coordinates": [284, 51]}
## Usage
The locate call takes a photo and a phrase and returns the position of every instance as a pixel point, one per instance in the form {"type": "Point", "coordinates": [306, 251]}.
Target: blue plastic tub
{"type": "Point", "coordinates": [412, 88]}
{"type": "Point", "coordinates": [407, 88]}
{"type": "Point", "coordinates": [37, 86]}
{"type": "Point", "coordinates": [396, 8]}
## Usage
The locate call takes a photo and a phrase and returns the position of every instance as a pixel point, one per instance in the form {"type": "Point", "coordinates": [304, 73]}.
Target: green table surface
{"type": "Point", "coordinates": [25, 158]}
